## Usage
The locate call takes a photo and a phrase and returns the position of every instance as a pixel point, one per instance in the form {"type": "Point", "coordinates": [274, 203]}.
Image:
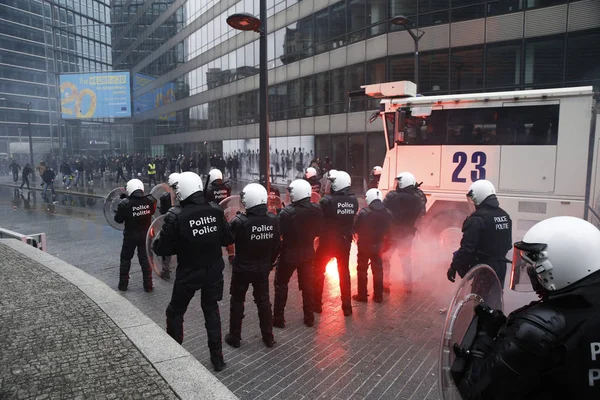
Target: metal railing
{"type": "Point", "coordinates": [37, 240]}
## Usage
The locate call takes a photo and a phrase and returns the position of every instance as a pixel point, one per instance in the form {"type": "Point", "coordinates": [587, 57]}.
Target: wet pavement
{"type": "Point", "coordinates": [386, 350]}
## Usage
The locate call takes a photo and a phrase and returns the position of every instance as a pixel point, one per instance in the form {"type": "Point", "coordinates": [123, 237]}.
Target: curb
{"type": "Point", "coordinates": [72, 193]}
{"type": "Point", "coordinates": [185, 375]}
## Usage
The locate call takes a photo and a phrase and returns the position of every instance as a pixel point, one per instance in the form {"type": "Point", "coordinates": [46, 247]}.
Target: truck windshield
{"type": "Point", "coordinates": [389, 120]}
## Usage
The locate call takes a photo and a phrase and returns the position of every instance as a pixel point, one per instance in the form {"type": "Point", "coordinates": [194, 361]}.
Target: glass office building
{"type": "Point", "coordinates": [204, 75]}
{"type": "Point", "coordinates": [40, 39]}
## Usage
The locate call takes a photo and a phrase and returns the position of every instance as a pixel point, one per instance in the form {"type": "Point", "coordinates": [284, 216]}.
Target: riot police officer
{"type": "Point", "coordinates": [136, 212]}
{"type": "Point", "coordinates": [217, 190]}
{"type": "Point", "coordinates": [372, 226]}
{"type": "Point", "coordinates": [195, 231]}
{"type": "Point", "coordinates": [339, 209]}
{"type": "Point", "coordinates": [406, 206]}
{"type": "Point", "coordinates": [375, 177]}
{"type": "Point", "coordinates": [299, 223]}
{"type": "Point", "coordinates": [549, 349]}
{"type": "Point", "coordinates": [164, 205]}
{"type": "Point", "coordinates": [487, 234]}
{"type": "Point", "coordinates": [310, 174]}
{"type": "Point", "coordinates": [256, 250]}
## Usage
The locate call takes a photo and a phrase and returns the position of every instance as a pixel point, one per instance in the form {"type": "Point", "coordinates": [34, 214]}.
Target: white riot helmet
{"type": "Point", "coordinates": [373, 194]}
{"type": "Point", "coordinates": [173, 179]}
{"type": "Point", "coordinates": [377, 170]}
{"type": "Point", "coordinates": [480, 190]}
{"type": "Point", "coordinates": [341, 180]}
{"type": "Point", "coordinates": [299, 189]}
{"type": "Point", "coordinates": [214, 175]}
{"type": "Point", "coordinates": [331, 174]}
{"type": "Point", "coordinates": [254, 194]}
{"type": "Point", "coordinates": [406, 179]}
{"type": "Point", "coordinates": [189, 183]}
{"type": "Point", "coordinates": [133, 185]}
{"type": "Point", "coordinates": [556, 253]}
{"type": "Point", "coordinates": [310, 172]}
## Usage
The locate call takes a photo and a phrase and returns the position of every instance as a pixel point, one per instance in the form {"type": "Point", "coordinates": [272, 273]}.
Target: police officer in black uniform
{"type": "Point", "coordinates": [406, 205]}
{"type": "Point", "coordinates": [375, 177]}
{"type": "Point", "coordinates": [299, 223]}
{"type": "Point", "coordinates": [549, 349]}
{"type": "Point", "coordinates": [195, 231]}
{"type": "Point", "coordinates": [136, 212]}
{"type": "Point", "coordinates": [372, 226]}
{"type": "Point", "coordinates": [164, 205]}
{"type": "Point", "coordinates": [256, 250]}
{"type": "Point", "coordinates": [310, 174]}
{"type": "Point", "coordinates": [487, 234]}
{"type": "Point", "coordinates": [217, 190]}
{"type": "Point", "coordinates": [339, 209]}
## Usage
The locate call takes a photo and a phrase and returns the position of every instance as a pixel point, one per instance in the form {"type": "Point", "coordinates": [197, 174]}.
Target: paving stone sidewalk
{"type": "Point", "coordinates": [56, 343]}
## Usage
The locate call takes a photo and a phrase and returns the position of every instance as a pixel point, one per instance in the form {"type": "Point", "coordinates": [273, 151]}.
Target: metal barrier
{"type": "Point", "coordinates": [37, 240]}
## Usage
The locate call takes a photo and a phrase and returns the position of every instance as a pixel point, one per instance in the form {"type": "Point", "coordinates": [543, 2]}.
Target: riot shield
{"type": "Point", "coordinates": [158, 263]}
{"type": "Point", "coordinates": [158, 190]}
{"type": "Point", "coordinates": [315, 197]}
{"type": "Point", "coordinates": [231, 206]}
{"type": "Point", "coordinates": [110, 207]}
{"type": "Point", "coordinates": [274, 204]}
{"type": "Point", "coordinates": [480, 285]}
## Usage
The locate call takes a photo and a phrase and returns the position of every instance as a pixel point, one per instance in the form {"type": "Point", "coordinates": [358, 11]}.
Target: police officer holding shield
{"type": "Point", "coordinates": [195, 232]}
{"type": "Point", "coordinates": [339, 209]}
{"type": "Point", "coordinates": [299, 223]}
{"type": "Point", "coordinates": [487, 234]}
{"type": "Point", "coordinates": [135, 210]}
{"type": "Point", "coordinates": [217, 190]}
{"type": "Point", "coordinates": [549, 349]}
{"type": "Point", "coordinates": [164, 205]}
{"type": "Point", "coordinates": [256, 250]}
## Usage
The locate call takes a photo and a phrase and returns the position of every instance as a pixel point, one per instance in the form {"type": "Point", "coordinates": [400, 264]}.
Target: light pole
{"type": "Point", "coordinates": [401, 20]}
{"type": "Point", "coordinates": [248, 22]}
{"type": "Point", "coordinates": [28, 105]}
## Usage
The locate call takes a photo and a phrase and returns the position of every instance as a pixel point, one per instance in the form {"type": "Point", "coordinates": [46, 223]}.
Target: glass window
{"type": "Point", "coordinates": [543, 3]}
{"type": "Point", "coordinates": [433, 72]}
{"type": "Point", "coordinates": [339, 151]}
{"type": "Point", "coordinates": [460, 3]}
{"type": "Point", "coordinates": [437, 18]}
{"type": "Point", "coordinates": [293, 100]}
{"type": "Point", "coordinates": [339, 98]}
{"type": "Point", "coordinates": [403, 7]}
{"type": "Point", "coordinates": [426, 6]}
{"type": "Point", "coordinates": [583, 57]}
{"type": "Point", "coordinates": [503, 7]}
{"type": "Point", "coordinates": [356, 78]}
{"type": "Point", "coordinates": [321, 30]}
{"type": "Point", "coordinates": [375, 148]}
{"type": "Point", "coordinates": [357, 20]}
{"type": "Point", "coordinates": [503, 65]}
{"type": "Point", "coordinates": [401, 68]}
{"type": "Point", "coordinates": [467, 69]}
{"type": "Point", "coordinates": [376, 73]}
{"type": "Point", "coordinates": [543, 61]}
{"type": "Point", "coordinates": [357, 166]}
{"type": "Point", "coordinates": [377, 16]}
{"type": "Point", "coordinates": [305, 37]}
{"type": "Point", "coordinates": [307, 99]}
{"type": "Point", "coordinates": [322, 148]}
{"type": "Point", "coordinates": [321, 93]}
{"type": "Point", "coordinates": [468, 13]}
{"type": "Point", "coordinates": [337, 25]}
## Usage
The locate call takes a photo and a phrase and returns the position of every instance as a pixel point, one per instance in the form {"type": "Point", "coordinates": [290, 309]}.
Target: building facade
{"type": "Point", "coordinates": [40, 39]}
{"type": "Point", "coordinates": [318, 50]}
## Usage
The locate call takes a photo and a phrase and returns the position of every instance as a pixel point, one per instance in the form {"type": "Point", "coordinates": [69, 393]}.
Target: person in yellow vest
{"type": "Point", "coordinates": [151, 173]}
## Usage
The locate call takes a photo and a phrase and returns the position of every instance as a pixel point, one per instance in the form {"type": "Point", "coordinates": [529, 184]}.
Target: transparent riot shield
{"type": "Point", "coordinates": [480, 285]}
{"type": "Point", "coordinates": [274, 204]}
{"type": "Point", "coordinates": [231, 206]}
{"type": "Point", "coordinates": [157, 191]}
{"type": "Point", "coordinates": [159, 264]}
{"type": "Point", "coordinates": [110, 207]}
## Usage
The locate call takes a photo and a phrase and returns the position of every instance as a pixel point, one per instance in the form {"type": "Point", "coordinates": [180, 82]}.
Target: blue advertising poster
{"type": "Point", "coordinates": [95, 95]}
{"type": "Point", "coordinates": [162, 95]}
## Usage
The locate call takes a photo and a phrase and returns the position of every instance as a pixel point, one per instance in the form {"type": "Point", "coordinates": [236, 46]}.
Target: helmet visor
{"type": "Point", "coordinates": [523, 277]}
{"type": "Point", "coordinates": [471, 201]}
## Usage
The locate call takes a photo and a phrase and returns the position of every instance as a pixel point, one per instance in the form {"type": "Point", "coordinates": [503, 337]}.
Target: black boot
{"type": "Point", "coordinates": [123, 285]}
{"type": "Point", "coordinates": [309, 319]}
{"type": "Point", "coordinates": [216, 358]}
{"type": "Point", "coordinates": [268, 340]}
{"type": "Point", "coordinates": [278, 321]}
{"type": "Point", "coordinates": [361, 298]}
{"type": "Point", "coordinates": [232, 341]}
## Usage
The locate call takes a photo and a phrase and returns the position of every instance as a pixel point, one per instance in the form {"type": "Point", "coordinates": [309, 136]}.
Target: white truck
{"type": "Point", "coordinates": [539, 147]}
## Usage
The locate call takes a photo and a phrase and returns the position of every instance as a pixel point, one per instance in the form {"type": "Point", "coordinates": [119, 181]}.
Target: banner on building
{"type": "Point", "coordinates": [95, 95]}
{"type": "Point", "coordinates": [162, 95]}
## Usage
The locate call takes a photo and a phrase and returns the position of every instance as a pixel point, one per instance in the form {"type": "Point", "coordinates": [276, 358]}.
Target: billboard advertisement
{"type": "Point", "coordinates": [95, 95]}
{"type": "Point", "coordinates": [154, 98]}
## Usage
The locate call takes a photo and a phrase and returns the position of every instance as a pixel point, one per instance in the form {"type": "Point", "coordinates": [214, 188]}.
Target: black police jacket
{"type": "Point", "coordinates": [299, 223]}
{"type": "Point", "coordinates": [136, 212]}
{"type": "Point", "coordinates": [315, 184]}
{"type": "Point", "coordinates": [487, 237]}
{"type": "Point", "coordinates": [374, 181]}
{"type": "Point", "coordinates": [195, 231]}
{"type": "Point", "coordinates": [339, 210]}
{"type": "Point", "coordinates": [406, 207]}
{"type": "Point", "coordinates": [164, 203]}
{"type": "Point", "coordinates": [547, 350]}
{"type": "Point", "coordinates": [257, 239]}
{"type": "Point", "coordinates": [373, 225]}
{"type": "Point", "coordinates": [218, 193]}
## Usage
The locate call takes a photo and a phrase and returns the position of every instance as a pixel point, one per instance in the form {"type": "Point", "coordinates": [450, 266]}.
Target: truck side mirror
{"type": "Point", "coordinates": [399, 126]}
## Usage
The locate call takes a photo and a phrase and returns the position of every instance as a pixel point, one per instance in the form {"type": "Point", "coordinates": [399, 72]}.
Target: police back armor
{"type": "Point", "coordinates": [218, 193]}
{"type": "Point", "coordinates": [406, 206]}
{"type": "Point", "coordinates": [339, 210]}
{"type": "Point", "coordinates": [164, 203]}
{"type": "Point", "coordinates": [257, 240]}
{"type": "Point", "coordinates": [299, 223]}
{"type": "Point", "coordinates": [373, 225]}
{"type": "Point", "coordinates": [136, 212]}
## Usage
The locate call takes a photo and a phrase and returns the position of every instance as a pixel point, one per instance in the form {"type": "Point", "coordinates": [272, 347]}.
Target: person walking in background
{"type": "Point", "coordinates": [15, 168]}
{"type": "Point", "coordinates": [26, 172]}
{"type": "Point", "coordinates": [48, 178]}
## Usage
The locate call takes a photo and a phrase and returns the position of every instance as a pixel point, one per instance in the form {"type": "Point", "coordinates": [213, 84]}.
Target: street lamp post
{"type": "Point", "coordinates": [248, 22]}
{"type": "Point", "coordinates": [28, 105]}
{"type": "Point", "coordinates": [401, 20]}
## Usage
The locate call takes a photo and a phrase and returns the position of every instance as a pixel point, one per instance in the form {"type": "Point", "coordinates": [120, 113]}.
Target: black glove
{"type": "Point", "coordinates": [123, 196]}
{"type": "Point", "coordinates": [490, 320]}
{"type": "Point", "coordinates": [451, 274]}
